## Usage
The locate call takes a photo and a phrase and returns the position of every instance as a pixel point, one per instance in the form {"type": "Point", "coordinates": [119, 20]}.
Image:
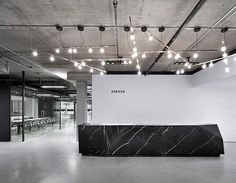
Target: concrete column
{"type": "Point", "coordinates": [81, 115]}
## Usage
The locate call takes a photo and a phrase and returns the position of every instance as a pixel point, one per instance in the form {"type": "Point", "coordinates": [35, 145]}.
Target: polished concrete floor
{"type": "Point", "coordinates": [54, 158]}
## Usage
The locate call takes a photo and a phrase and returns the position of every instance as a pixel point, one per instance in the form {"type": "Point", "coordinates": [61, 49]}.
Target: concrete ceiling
{"type": "Point", "coordinates": [169, 13]}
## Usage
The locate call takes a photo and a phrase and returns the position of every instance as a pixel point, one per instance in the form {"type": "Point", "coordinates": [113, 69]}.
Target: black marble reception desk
{"type": "Point", "coordinates": [140, 140]}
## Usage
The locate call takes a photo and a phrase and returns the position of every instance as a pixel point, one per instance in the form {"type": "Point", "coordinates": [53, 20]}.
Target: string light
{"type": "Point", "coordinates": [76, 64]}
{"type": "Point", "coordinates": [35, 53]}
{"type": "Point", "coordinates": [70, 50]}
{"type": "Point", "coordinates": [227, 69]}
{"type": "Point", "coordinates": [80, 67]}
{"type": "Point", "coordinates": [204, 66]}
{"type": "Point", "coordinates": [195, 55]}
{"type": "Point", "coordinates": [90, 50]}
{"type": "Point", "coordinates": [139, 73]}
{"type": "Point", "coordinates": [91, 70]}
{"type": "Point", "coordinates": [225, 55]}
{"type": "Point", "coordinates": [52, 59]}
{"type": "Point", "coordinates": [102, 50]}
{"type": "Point", "coordinates": [177, 56]}
{"type": "Point", "coordinates": [103, 62]}
{"type": "Point", "coordinates": [150, 38]}
{"type": "Point", "coordinates": [211, 64]}
{"type": "Point", "coordinates": [57, 50]}
{"type": "Point", "coordinates": [83, 63]}
{"type": "Point", "coordinates": [182, 71]}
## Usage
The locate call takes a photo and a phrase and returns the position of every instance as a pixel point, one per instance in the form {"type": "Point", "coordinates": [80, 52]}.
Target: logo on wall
{"type": "Point", "coordinates": [117, 91]}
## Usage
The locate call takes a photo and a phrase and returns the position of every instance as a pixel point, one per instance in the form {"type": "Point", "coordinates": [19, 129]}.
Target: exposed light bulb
{"type": "Point", "coordinates": [150, 38]}
{"type": "Point", "coordinates": [225, 61]}
{"type": "Point", "coordinates": [195, 55]}
{"type": "Point", "coordinates": [182, 71]}
{"type": "Point", "coordinates": [178, 72]}
{"type": "Point", "coordinates": [125, 62]}
{"type": "Point", "coordinates": [57, 50]}
{"type": "Point", "coordinates": [35, 53]}
{"type": "Point", "coordinates": [132, 37]}
{"type": "Point", "coordinates": [189, 66]}
{"type": "Point", "coordinates": [70, 50]}
{"type": "Point", "coordinates": [204, 66]}
{"type": "Point", "coordinates": [227, 69]}
{"type": "Point", "coordinates": [177, 56]}
{"type": "Point", "coordinates": [74, 50]}
{"type": "Point", "coordinates": [90, 50]}
{"type": "Point", "coordinates": [134, 55]}
{"type": "Point", "coordinates": [130, 61]}
{"type": "Point", "coordinates": [138, 66]}
{"type": "Point", "coordinates": [103, 62]}
{"type": "Point", "coordinates": [135, 49]}
{"type": "Point", "coordinates": [211, 64]}
{"type": "Point", "coordinates": [102, 50]}
{"type": "Point", "coordinates": [80, 67]}
{"type": "Point", "coordinates": [225, 55]}
{"type": "Point", "coordinates": [223, 48]}
{"type": "Point", "coordinates": [139, 73]}
{"type": "Point", "coordinates": [52, 58]}
{"type": "Point", "coordinates": [101, 73]}
{"type": "Point", "coordinates": [143, 55]}
{"type": "Point", "coordinates": [76, 64]}
{"type": "Point", "coordinates": [91, 70]}
{"type": "Point", "coordinates": [83, 63]}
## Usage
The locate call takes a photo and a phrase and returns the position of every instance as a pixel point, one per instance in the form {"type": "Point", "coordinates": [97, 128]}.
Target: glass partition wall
{"type": "Point", "coordinates": [44, 113]}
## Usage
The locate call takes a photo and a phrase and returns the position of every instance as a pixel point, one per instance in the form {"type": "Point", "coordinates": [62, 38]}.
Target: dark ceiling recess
{"type": "Point", "coordinates": [225, 29]}
{"type": "Point", "coordinates": [80, 27]}
{"type": "Point", "coordinates": [144, 28]}
{"type": "Point", "coordinates": [59, 28]}
{"type": "Point", "coordinates": [173, 38]}
{"type": "Point", "coordinates": [101, 28]}
{"type": "Point", "coordinates": [161, 29]}
{"type": "Point", "coordinates": [126, 28]}
{"type": "Point", "coordinates": [197, 29]}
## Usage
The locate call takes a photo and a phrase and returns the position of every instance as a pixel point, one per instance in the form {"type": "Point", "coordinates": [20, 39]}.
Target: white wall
{"type": "Point", "coordinates": [162, 100]}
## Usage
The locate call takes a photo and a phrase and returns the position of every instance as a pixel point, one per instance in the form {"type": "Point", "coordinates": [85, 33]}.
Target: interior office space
{"type": "Point", "coordinates": [117, 91]}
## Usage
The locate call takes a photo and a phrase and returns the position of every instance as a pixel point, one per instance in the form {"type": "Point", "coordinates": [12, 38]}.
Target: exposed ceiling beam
{"type": "Point", "coordinates": [173, 38]}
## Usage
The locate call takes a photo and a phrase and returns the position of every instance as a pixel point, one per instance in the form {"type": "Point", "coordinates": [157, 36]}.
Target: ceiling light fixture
{"type": "Point", "coordinates": [101, 28]}
{"type": "Point", "coordinates": [125, 62]}
{"type": "Point", "coordinates": [70, 50]}
{"type": "Point", "coordinates": [91, 70]}
{"type": "Point", "coordinates": [52, 58]}
{"type": "Point", "coordinates": [57, 50]}
{"type": "Point", "coordinates": [195, 55]}
{"type": "Point", "coordinates": [80, 27]}
{"type": "Point", "coordinates": [132, 37]}
{"type": "Point", "coordinates": [177, 56]}
{"type": "Point", "coordinates": [76, 64]}
{"type": "Point", "coordinates": [189, 66]}
{"type": "Point", "coordinates": [139, 73]}
{"type": "Point", "coordinates": [80, 67]}
{"type": "Point", "coordinates": [101, 73]}
{"type": "Point", "coordinates": [103, 62]}
{"type": "Point", "coordinates": [74, 50]}
{"type": "Point", "coordinates": [150, 38]}
{"type": "Point", "coordinates": [126, 28]}
{"type": "Point", "coordinates": [204, 66]}
{"type": "Point", "coordinates": [59, 28]}
{"type": "Point", "coordinates": [35, 53]}
{"type": "Point", "coordinates": [135, 49]}
{"type": "Point", "coordinates": [102, 50]}
{"type": "Point", "coordinates": [144, 28]}
{"type": "Point", "coordinates": [130, 61]}
{"type": "Point", "coordinates": [90, 50]}
{"type": "Point", "coordinates": [211, 64]}
{"type": "Point", "coordinates": [161, 29]}
{"type": "Point", "coordinates": [138, 66]}
{"type": "Point", "coordinates": [225, 55]}
{"type": "Point", "coordinates": [182, 71]}
{"type": "Point", "coordinates": [143, 55]}
{"type": "Point", "coordinates": [83, 63]}
{"type": "Point", "coordinates": [177, 72]}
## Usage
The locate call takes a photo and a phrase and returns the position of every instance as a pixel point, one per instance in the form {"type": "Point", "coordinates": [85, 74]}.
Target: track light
{"type": "Point", "coordinates": [130, 61]}
{"type": "Point", "coordinates": [83, 63]}
{"type": "Point", "coordinates": [195, 55]}
{"type": "Point", "coordinates": [59, 28]}
{"type": "Point", "coordinates": [177, 56]}
{"type": "Point", "coordinates": [150, 38]}
{"type": "Point", "coordinates": [80, 27]}
{"type": "Point", "coordinates": [74, 50]}
{"type": "Point", "coordinates": [102, 50]}
{"type": "Point", "coordinates": [182, 71]}
{"type": "Point", "coordinates": [91, 70]}
{"type": "Point", "coordinates": [70, 50]}
{"type": "Point", "coordinates": [177, 72]}
{"type": "Point", "coordinates": [225, 55]}
{"type": "Point", "coordinates": [90, 50]}
{"type": "Point", "coordinates": [143, 55]}
{"type": "Point", "coordinates": [211, 64]}
{"type": "Point", "coordinates": [80, 67]}
{"type": "Point", "coordinates": [126, 28]}
{"type": "Point", "coordinates": [76, 64]}
{"type": "Point", "coordinates": [132, 37]}
{"type": "Point", "coordinates": [35, 53]}
{"type": "Point", "coordinates": [103, 62]}
{"type": "Point", "coordinates": [52, 59]}
{"type": "Point", "coordinates": [57, 50]}
{"type": "Point", "coordinates": [101, 73]}
{"type": "Point", "coordinates": [227, 69]}
{"type": "Point", "coordinates": [139, 73]}
{"type": "Point", "coordinates": [138, 66]}
{"type": "Point", "coordinates": [144, 28]}
{"type": "Point", "coordinates": [101, 28]}
{"type": "Point", "coordinates": [204, 66]}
